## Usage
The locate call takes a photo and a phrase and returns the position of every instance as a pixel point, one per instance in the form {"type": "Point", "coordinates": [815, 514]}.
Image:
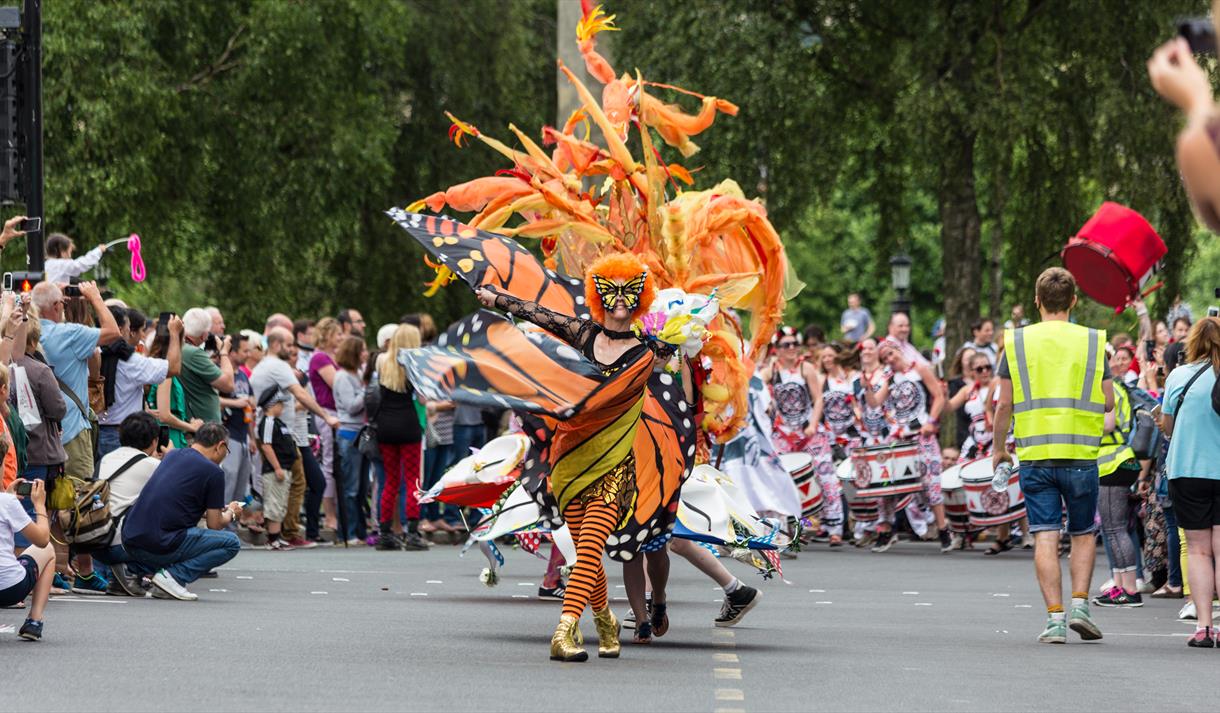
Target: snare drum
{"type": "Point", "coordinates": [955, 500]}
{"type": "Point", "coordinates": [884, 471]}
{"type": "Point", "coordinates": [800, 467]}
{"type": "Point", "coordinates": [987, 507]}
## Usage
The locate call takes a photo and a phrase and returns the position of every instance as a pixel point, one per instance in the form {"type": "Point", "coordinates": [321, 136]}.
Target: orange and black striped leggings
{"type": "Point", "coordinates": [590, 525]}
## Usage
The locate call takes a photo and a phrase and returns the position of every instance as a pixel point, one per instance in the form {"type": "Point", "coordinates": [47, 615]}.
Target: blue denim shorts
{"type": "Point", "coordinates": [1049, 491]}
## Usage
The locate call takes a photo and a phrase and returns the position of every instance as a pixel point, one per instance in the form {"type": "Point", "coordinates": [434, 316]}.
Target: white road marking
{"type": "Point", "coordinates": [1171, 636]}
{"type": "Point", "coordinates": [1022, 606]}
{"type": "Point", "coordinates": [730, 694]}
{"type": "Point", "coordinates": [434, 581]}
{"type": "Point", "coordinates": [340, 579]}
{"type": "Point", "coordinates": [91, 600]}
{"type": "Point", "coordinates": [728, 674]}
{"type": "Point", "coordinates": [521, 596]}
{"type": "Point", "coordinates": [317, 592]}
{"type": "Point", "coordinates": [241, 576]}
{"type": "Point", "coordinates": [910, 592]}
{"type": "Point", "coordinates": [817, 591]}
{"type": "Point", "coordinates": [923, 604]}
{"type": "Point", "coordinates": [729, 710]}
{"type": "Point", "coordinates": [1000, 594]}
{"type": "Point", "coordinates": [419, 594]}
{"type": "Point", "coordinates": [218, 590]}
{"type": "Point", "coordinates": [725, 658]}
{"type": "Point", "coordinates": [525, 584]}
{"type": "Point", "coordinates": [823, 602]}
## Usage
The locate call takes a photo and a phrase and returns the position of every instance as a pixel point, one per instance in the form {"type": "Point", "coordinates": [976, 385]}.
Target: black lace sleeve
{"type": "Point", "coordinates": [573, 330]}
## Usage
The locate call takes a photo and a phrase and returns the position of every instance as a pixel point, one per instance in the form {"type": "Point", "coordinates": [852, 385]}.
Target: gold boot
{"type": "Point", "coordinates": [565, 642]}
{"type": "Point", "coordinates": [608, 645]}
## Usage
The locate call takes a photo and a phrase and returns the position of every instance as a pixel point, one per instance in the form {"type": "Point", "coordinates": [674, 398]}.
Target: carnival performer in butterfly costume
{"type": "Point", "coordinates": [602, 392]}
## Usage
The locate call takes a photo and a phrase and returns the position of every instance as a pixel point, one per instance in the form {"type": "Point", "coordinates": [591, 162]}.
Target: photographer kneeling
{"type": "Point", "coordinates": [160, 533]}
{"type": "Point", "coordinates": [34, 570]}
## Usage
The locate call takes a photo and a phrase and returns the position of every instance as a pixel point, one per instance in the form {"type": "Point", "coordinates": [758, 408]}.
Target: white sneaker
{"type": "Point", "coordinates": [1143, 587]}
{"type": "Point", "coordinates": [1188, 611]}
{"type": "Point", "coordinates": [166, 583]}
{"type": "Point", "coordinates": [1106, 586]}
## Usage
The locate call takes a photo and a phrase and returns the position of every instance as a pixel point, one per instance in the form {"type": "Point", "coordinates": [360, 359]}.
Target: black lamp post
{"type": "Point", "coordinates": [900, 275]}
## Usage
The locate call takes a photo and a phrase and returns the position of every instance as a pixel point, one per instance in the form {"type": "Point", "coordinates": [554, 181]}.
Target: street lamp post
{"type": "Point", "coordinates": [900, 275]}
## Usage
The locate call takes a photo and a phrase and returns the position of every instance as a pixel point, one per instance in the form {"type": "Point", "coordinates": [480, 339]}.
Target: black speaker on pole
{"type": "Point", "coordinates": [21, 117]}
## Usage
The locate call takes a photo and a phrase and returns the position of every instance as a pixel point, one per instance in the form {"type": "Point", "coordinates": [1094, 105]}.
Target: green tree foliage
{"type": "Point", "coordinates": [254, 144]}
{"type": "Point", "coordinates": [958, 131]}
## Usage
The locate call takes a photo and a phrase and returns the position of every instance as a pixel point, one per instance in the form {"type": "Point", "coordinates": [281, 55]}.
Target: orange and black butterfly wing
{"type": "Point", "coordinates": [481, 258]}
{"type": "Point", "coordinates": [664, 451]}
{"type": "Point", "coordinates": [485, 361]}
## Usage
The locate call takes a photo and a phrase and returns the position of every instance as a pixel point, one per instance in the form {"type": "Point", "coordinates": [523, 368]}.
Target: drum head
{"type": "Point", "coordinates": [978, 470]}
{"type": "Point", "coordinates": [951, 478]}
{"type": "Point", "coordinates": [796, 463]}
{"type": "Point", "coordinates": [1100, 276]}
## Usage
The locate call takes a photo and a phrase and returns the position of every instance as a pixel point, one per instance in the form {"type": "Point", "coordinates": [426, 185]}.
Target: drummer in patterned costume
{"type": "Point", "coordinates": [915, 400]}
{"type": "Point", "coordinates": [875, 426]}
{"type": "Point", "coordinates": [796, 390]}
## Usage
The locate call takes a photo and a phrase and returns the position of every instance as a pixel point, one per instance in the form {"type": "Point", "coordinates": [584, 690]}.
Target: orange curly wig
{"type": "Point", "coordinates": [618, 267]}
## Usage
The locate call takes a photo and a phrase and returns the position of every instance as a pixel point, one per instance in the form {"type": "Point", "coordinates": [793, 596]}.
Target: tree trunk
{"type": "Point", "coordinates": [959, 236]}
{"type": "Point", "coordinates": [997, 238]}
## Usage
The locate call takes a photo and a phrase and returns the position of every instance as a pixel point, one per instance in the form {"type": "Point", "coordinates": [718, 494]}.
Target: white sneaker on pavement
{"type": "Point", "coordinates": [166, 583]}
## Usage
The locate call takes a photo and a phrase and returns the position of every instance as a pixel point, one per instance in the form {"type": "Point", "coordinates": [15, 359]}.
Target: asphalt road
{"type": "Point", "coordinates": [908, 630]}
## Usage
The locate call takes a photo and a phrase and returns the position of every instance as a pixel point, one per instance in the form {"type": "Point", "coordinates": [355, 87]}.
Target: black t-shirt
{"type": "Point", "coordinates": [235, 418]}
{"type": "Point", "coordinates": [397, 420]}
{"type": "Point", "coordinates": [274, 433]}
{"type": "Point", "coordinates": [180, 491]}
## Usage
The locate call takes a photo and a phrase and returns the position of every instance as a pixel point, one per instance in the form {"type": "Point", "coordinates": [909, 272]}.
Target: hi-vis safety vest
{"type": "Point", "coordinates": [1057, 401]}
{"type": "Point", "coordinates": [1114, 449]}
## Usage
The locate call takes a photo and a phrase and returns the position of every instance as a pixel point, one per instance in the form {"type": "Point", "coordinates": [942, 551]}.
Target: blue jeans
{"type": "Point", "coordinates": [348, 483]}
{"type": "Point", "coordinates": [107, 440]}
{"type": "Point", "coordinates": [437, 460]}
{"type": "Point", "coordinates": [1173, 547]}
{"type": "Point", "coordinates": [1048, 490]}
{"type": "Point", "coordinates": [467, 437]}
{"type": "Point", "coordinates": [201, 551]}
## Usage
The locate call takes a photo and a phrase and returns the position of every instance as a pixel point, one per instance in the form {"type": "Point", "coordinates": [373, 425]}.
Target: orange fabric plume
{"type": "Point", "coordinates": [618, 267]}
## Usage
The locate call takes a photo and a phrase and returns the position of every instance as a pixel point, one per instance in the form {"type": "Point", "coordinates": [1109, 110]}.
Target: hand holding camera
{"type": "Point", "coordinates": [1178, 78]}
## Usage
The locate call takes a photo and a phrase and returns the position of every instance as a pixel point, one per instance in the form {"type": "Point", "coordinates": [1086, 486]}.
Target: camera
{"type": "Point", "coordinates": [72, 291]}
{"type": "Point", "coordinates": [24, 489]}
{"type": "Point", "coordinates": [211, 344]}
{"type": "Point", "coordinates": [1200, 33]}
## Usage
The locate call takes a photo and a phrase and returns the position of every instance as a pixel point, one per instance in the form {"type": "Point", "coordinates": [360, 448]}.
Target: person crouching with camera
{"type": "Point", "coordinates": [34, 570]}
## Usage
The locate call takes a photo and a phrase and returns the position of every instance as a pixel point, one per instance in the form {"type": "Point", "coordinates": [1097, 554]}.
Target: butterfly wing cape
{"type": "Point", "coordinates": [484, 360]}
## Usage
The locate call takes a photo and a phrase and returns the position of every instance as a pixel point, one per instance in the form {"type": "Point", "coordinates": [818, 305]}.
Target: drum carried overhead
{"type": "Point", "coordinates": [1114, 255]}
{"type": "Point", "coordinates": [800, 467]}
{"type": "Point", "coordinates": [884, 471]}
{"type": "Point", "coordinates": [987, 507]}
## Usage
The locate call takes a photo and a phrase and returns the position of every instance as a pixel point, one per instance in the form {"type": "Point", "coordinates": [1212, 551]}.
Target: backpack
{"type": "Point", "coordinates": [88, 522]}
{"type": "Point", "coordinates": [1145, 436]}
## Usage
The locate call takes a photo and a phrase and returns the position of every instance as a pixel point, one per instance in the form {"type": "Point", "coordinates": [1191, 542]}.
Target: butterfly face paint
{"type": "Point", "coordinates": [611, 291]}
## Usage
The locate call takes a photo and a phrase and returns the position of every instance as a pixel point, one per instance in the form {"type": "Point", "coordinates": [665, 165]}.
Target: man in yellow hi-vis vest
{"type": "Point", "coordinates": [1055, 381]}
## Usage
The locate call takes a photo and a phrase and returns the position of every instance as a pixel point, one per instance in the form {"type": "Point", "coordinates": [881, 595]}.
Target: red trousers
{"type": "Point", "coordinates": [402, 466]}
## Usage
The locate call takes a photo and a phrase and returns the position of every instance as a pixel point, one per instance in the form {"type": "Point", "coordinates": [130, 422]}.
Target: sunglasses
{"type": "Point", "coordinates": [982, 369]}
{"type": "Point", "coordinates": [787, 345]}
